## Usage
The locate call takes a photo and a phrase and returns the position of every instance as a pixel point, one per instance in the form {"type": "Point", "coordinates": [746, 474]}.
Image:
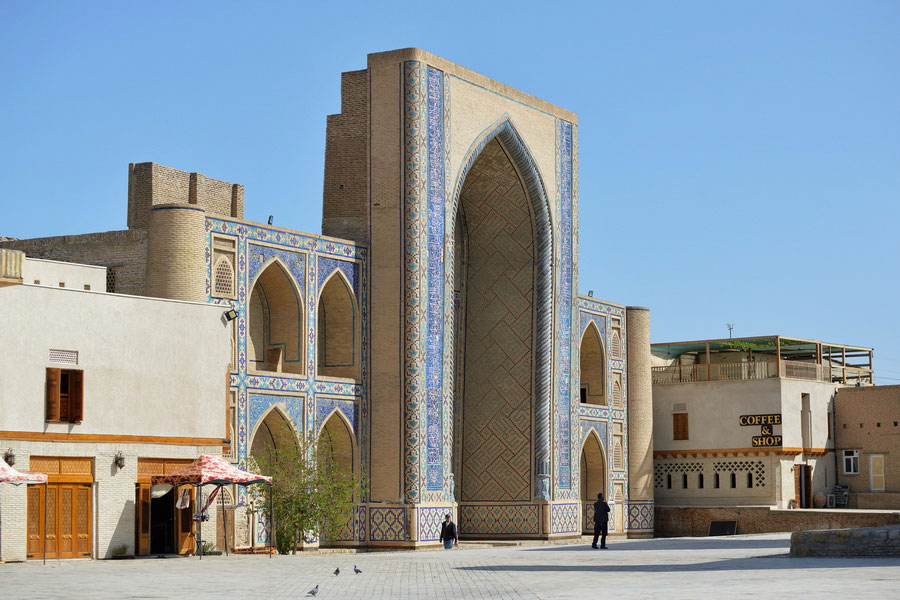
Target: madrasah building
{"type": "Point", "coordinates": [434, 332]}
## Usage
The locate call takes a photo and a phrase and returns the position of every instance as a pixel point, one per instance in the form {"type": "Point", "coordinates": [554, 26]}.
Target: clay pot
{"type": "Point", "coordinates": [819, 500]}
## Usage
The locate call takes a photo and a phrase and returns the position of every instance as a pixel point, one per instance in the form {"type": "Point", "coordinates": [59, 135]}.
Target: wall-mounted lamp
{"type": "Point", "coordinates": [271, 219]}
{"type": "Point", "coordinates": [10, 457]}
{"type": "Point", "coordinates": [231, 315]}
{"type": "Point", "coordinates": [120, 459]}
{"type": "Point", "coordinates": [591, 293]}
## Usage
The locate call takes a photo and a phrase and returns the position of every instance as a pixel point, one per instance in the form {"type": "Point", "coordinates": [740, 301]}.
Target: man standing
{"type": "Point", "coordinates": [448, 533]}
{"type": "Point", "coordinates": [601, 521]}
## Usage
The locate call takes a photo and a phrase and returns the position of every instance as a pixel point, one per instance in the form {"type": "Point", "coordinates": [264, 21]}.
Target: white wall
{"type": "Point", "coordinates": [52, 273]}
{"type": "Point", "coordinates": [151, 367]}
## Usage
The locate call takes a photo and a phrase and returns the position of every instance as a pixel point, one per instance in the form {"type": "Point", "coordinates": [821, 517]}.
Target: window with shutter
{"type": "Point", "coordinates": [52, 403]}
{"type": "Point", "coordinates": [64, 395]}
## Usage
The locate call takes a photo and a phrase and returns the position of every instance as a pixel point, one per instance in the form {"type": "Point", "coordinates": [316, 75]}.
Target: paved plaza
{"type": "Point", "coordinates": [739, 566]}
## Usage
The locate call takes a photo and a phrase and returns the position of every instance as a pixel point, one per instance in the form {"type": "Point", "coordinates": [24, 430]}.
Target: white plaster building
{"type": "Point", "coordinates": [100, 391]}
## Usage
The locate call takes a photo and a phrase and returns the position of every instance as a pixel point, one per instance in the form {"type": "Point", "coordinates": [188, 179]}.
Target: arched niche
{"type": "Point", "coordinates": [593, 476]}
{"type": "Point", "coordinates": [275, 322]}
{"type": "Point", "coordinates": [593, 367]}
{"type": "Point", "coordinates": [335, 443]}
{"type": "Point", "coordinates": [337, 329]}
{"type": "Point", "coordinates": [501, 270]}
{"type": "Point", "coordinates": [272, 433]}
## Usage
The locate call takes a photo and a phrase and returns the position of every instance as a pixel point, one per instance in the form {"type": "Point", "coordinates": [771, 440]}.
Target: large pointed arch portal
{"type": "Point", "coordinates": [499, 260]}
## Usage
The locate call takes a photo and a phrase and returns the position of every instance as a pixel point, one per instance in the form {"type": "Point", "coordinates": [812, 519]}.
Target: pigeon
{"type": "Point", "coordinates": [337, 571]}
{"type": "Point", "coordinates": [313, 591]}
{"type": "Point", "coordinates": [357, 570]}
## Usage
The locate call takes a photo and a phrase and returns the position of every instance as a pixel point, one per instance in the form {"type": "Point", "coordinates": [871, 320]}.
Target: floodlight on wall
{"type": "Point", "coordinates": [231, 315]}
{"type": "Point", "coordinates": [10, 456]}
{"type": "Point", "coordinates": [120, 459]}
{"type": "Point", "coordinates": [271, 219]}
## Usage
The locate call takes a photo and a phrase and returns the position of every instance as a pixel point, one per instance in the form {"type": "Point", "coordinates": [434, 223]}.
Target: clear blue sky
{"type": "Point", "coordinates": [740, 161]}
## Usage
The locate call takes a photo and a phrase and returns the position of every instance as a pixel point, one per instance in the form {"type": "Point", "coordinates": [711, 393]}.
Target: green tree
{"type": "Point", "coordinates": [311, 494]}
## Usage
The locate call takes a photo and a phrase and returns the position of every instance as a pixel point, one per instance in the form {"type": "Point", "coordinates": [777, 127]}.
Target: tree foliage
{"type": "Point", "coordinates": [311, 494]}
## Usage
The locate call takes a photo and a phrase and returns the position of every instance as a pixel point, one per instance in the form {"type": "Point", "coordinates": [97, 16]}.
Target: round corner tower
{"type": "Point", "coordinates": [176, 251]}
{"type": "Point", "coordinates": [640, 421]}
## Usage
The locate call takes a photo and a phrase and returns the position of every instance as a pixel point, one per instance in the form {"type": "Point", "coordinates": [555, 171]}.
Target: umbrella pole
{"type": "Point", "coordinates": [200, 520]}
{"type": "Point", "coordinates": [46, 491]}
{"type": "Point", "coordinates": [224, 525]}
{"type": "Point", "coordinates": [271, 520]}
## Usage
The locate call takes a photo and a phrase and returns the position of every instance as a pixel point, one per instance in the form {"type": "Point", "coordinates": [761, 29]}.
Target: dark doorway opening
{"type": "Point", "coordinates": [162, 523]}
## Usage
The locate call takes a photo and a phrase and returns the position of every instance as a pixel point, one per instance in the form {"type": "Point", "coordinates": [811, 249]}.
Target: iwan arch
{"type": "Point", "coordinates": [433, 333]}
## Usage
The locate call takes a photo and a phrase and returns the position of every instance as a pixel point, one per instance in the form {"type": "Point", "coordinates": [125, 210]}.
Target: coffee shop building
{"type": "Point", "coordinates": [749, 421]}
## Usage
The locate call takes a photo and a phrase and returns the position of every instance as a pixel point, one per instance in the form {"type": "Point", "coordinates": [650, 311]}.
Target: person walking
{"type": "Point", "coordinates": [448, 533]}
{"type": "Point", "coordinates": [601, 522]}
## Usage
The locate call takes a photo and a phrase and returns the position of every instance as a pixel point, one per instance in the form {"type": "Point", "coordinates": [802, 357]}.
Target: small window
{"type": "Point", "coordinates": [877, 424]}
{"type": "Point", "coordinates": [700, 481]}
{"type": "Point", "coordinates": [584, 395]}
{"type": "Point", "coordinates": [851, 462]}
{"type": "Point", "coordinates": [680, 426]}
{"type": "Point", "coordinates": [110, 280]}
{"type": "Point", "coordinates": [716, 481]}
{"type": "Point", "coordinates": [828, 420]}
{"type": "Point", "coordinates": [224, 278]}
{"type": "Point", "coordinates": [64, 395]}
{"type": "Point", "coordinates": [669, 481]}
{"type": "Point", "coordinates": [684, 481]}
{"type": "Point", "coordinates": [733, 481]}
{"type": "Point", "coordinates": [895, 423]}
{"type": "Point", "coordinates": [860, 425]}
{"type": "Point", "coordinates": [749, 479]}
{"type": "Point", "coordinates": [845, 426]}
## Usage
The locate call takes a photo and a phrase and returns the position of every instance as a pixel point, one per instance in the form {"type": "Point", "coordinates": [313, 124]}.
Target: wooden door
{"type": "Point", "coordinates": [184, 531]}
{"type": "Point", "coordinates": [142, 519]}
{"type": "Point", "coordinates": [802, 486]}
{"type": "Point", "coordinates": [65, 511]}
{"type": "Point", "coordinates": [876, 473]}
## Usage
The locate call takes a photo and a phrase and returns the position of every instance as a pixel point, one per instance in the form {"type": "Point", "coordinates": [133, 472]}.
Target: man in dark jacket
{"type": "Point", "coordinates": [448, 533]}
{"type": "Point", "coordinates": [601, 521]}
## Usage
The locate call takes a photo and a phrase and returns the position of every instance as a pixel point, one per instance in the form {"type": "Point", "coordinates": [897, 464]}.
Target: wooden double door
{"type": "Point", "coordinates": [59, 516]}
{"type": "Point", "coordinates": [162, 527]}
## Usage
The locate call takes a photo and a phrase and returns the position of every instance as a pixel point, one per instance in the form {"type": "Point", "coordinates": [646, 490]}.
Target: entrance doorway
{"type": "Point", "coordinates": [803, 486]}
{"type": "Point", "coordinates": [162, 528]}
{"type": "Point", "coordinates": [61, 515]}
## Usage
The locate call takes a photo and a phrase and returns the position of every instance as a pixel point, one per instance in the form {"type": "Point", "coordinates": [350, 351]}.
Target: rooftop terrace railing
{"type": "Point", "coordinates": [760, 369]}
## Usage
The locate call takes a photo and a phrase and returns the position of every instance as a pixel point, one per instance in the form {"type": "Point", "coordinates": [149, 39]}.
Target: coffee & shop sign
{"type": "Point", "coordinates": [766, 424]}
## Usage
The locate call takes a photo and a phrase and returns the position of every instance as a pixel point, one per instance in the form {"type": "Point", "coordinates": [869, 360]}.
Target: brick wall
{"type": "Point", "coordinates": [150, 184]}
{"type": "Point", "coordinates": [124, 253]}
{"type": "Point", "coordinates": [678, 522]}
{"type": "Point", "coordinates": [867, 419]}
{"type": "Point", "coordinates": [345, 207]}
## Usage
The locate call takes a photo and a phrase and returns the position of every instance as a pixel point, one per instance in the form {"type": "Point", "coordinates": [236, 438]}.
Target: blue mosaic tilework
{"type": "Point", "coordinates": [600, 427]}
{"type": "Point", "coordinates": [594, 411]}
{"type": "Point", "coordinates": [435, 311]}
{"type": "Point", "coordinates": [565, 340]}
{"type": "Point", "coordinates": [324, 407]}
{"type": "Point", "coordinates": [260, 256]}
{"type": "Point", "coordinates": [361, 522]}
{"type": "Point", "coordinates": [350, 269]}
{"type": "Point", "coordinates": [640, 515]}
{"type": "Point", "coordinates": [260, 405]}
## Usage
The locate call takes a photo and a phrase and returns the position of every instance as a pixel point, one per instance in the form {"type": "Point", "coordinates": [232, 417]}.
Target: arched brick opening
{"type": "Point", "coordinates": [275, 328]}
{"type": "Point", "coordinates": [337, 329]}
{"type": "Point", "coordinates": [593, 367]}
{"type": "Point", "coordinates": [593, 476]}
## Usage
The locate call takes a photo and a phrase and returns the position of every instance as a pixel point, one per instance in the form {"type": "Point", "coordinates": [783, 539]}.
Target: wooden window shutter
{"type": "Point", "coordinates": [52, 398]}
{"type": "Point", "coordinates": [76, 396]}
{"type": "Point", "coordinates": [680, 426]}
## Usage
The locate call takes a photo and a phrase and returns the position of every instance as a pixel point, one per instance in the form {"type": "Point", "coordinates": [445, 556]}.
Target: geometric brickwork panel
{"type": "Point", "coordinates": [429, 521]}
{"type": "Point", "coordinates": [498, 339]}
{"type": "Point", "coordinates": [758, 468]}
{"type": "Point", "coordinates": [508, 519]}
{"type": "Point", "coordinates": [387, 524]}
{"type": "Point", "coordinates": [640, 516]}
{"type": "Point", "coordinates": [564, 518]}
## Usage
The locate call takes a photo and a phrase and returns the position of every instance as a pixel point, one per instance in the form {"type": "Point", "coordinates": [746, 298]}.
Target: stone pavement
{"type": "Point", "coordinates": [740, 566]}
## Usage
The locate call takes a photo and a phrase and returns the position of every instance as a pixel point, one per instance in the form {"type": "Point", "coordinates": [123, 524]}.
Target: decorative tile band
{"type": "Point", "coordinates": [564, 391]}
{"type": "Point", "coordinates": [387, 524]}
{"type": "Point", "coordinates": [564, 518]}
{"type": "Point", "coordinates": [640, 516]}
{"type": "Point", "coordinates": [328, 265]}
{"type": "Point", "coordinates": [429, 520]}
{"type": "Point", "coordinates": [435, 311]}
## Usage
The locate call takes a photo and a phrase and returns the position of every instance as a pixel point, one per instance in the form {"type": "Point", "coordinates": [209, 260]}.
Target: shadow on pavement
{"type": "Point", "coordinates": [778, 561]}
{"type": "Point", "coordinates": [715, 543]}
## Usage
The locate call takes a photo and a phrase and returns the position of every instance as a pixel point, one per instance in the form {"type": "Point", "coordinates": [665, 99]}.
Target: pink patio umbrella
{"type": "Point", "coordinates": [10, 475]}
{"type": "Point", "coordinates": [215, 470]}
